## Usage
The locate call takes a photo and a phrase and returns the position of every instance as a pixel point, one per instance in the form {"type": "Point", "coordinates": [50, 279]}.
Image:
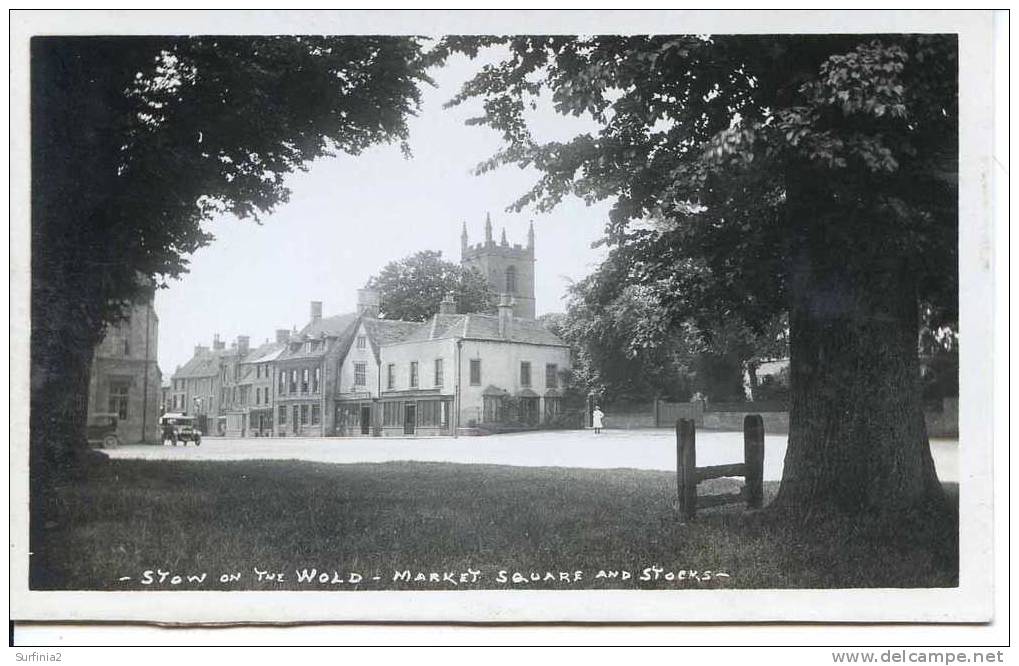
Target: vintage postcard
{"type": "Point", "coordinates": [642, 316]}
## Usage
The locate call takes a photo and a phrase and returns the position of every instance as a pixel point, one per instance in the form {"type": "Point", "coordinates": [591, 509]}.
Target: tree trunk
{"type": "Point", "coordinates": [857, 439]}
{"type": "Point", "coordinates": [63, 341]}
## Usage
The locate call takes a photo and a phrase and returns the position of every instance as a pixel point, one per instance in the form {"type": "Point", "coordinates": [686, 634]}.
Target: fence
{"type": "Point", "coordinates": [711, 415]}
{"type": "Point", "coordinates": [943, 422]}
{"type": "Point", "coordinates": [688, 474]}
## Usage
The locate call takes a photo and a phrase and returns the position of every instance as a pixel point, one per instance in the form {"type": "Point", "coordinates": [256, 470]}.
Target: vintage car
{"type": "Point", "coordinates": [179, 428]}
{"type": "Point", "coordinates": [102, 431]}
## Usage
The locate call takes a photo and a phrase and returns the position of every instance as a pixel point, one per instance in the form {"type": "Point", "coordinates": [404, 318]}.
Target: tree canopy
{"type": "Point", "coordinates": [138, 140]}
{"type": "Point", "coordinates": [754, 175]}
{"type": "Point", "coordinates": [628, 349]}
{"type": "Point", "coordinates": [413, 287]}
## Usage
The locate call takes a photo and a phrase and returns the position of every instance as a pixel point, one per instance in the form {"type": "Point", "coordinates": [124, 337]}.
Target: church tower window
{"type": "Point", "coordinates": [511, 280]}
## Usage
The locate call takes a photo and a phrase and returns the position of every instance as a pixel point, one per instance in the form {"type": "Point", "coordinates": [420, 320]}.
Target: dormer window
{"type": "Point", "coordinates": [362, 342]}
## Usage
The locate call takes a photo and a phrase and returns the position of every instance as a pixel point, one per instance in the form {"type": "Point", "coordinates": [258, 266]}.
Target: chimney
{"type": "Point", "coordinates": [243, 343]}
{"type": "Point", "coordinates": [282, 336]}
{"type": "Point", "coordinates": [201, 350]}
{"type": "Point", "coordinates": [217, 344]}
{"type": "Point", "coordinates": [316, 311]}
{"type": "Point", "coordinates": [505, 315]}
{"type": "Point", "coordinates": [448, 304]}
{"type": "Point", "coordinates": [368, 303]}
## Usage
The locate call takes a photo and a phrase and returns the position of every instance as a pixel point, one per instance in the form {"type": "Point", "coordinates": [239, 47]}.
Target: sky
{"type": "Point", "coordinates": [349, 216]}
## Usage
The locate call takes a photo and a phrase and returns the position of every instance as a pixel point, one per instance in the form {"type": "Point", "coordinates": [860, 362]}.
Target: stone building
{"type": "Point", "coordinates": [361, 368]}
{"type": "Point", "coordinates": [125, 376]}
{"type": "Point", "coordinates": [508, 268]}
{"type": "Point", "coordinates": [307, 375]}
{"type": "Point", "coordinates": [196, 387]}
{"type": "Point", "coordinates": [462, 370]}
{"type": "Point", "coordinates": [256, 389]}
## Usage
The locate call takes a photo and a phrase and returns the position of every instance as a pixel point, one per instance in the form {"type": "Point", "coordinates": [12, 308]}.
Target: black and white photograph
{"type": "Point", "coordinates": [473, 317]}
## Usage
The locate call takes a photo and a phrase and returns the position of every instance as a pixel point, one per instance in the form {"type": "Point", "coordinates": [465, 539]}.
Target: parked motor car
{"type": "Point", "coordinates": [101, 431]}
{"type": "Point", "coordinates": [180, 428]}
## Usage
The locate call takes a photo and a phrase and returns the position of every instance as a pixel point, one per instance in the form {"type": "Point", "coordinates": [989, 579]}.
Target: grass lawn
{"type": "Point", "coordinates": [126, 517]}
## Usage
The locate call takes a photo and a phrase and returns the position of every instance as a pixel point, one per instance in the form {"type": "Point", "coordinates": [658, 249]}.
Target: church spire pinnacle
{"type": "Point", "coordinates": [530, 235]}
{"type": "Point", "coordinates": [503, 240]}
{"type": "Point", "coordinates": [488, 228]}
{"type": "Point", "coordinates": [463, 238]}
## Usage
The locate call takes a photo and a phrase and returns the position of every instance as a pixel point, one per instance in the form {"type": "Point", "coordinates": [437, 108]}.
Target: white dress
{"type": "Point", "coordinates": [596, 418]}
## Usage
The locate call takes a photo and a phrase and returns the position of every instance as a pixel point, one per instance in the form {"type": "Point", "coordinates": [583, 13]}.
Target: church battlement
{"type": "Point", "coordinates": [508, 268]}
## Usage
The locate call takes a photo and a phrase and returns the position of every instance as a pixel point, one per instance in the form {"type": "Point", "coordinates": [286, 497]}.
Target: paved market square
{"type": "Point", "coordinates": [652, 449]}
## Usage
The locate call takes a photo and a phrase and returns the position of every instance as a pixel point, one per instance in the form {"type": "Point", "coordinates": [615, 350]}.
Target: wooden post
{"type": "Point", "coordinates": [753, 456]}
{"type": "Point", "coordinates": [686, 466]}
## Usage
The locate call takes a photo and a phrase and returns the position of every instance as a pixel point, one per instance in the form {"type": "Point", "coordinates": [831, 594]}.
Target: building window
{"type": "Point", "coordinates": [392, 413]}
{"type": "Point", "coordinates": [511, 280]}
{"type": "Point", "coordinates": [551, 375]}
{"type": "Point", "coordinates": [525, 373]}
{"type": "Point", "coordinates": [359, 374]}
{"type": "Point", "coordinates": [413, 374]}
{"type": "Point", "coordinates": [127, 346]}
{"type": "Point", "coordinates": [258, 371]}
{"type": "Point", "coordinates": [118, 399]}
{"type": "Point", "coordinates": [429, 413]}
{"type": "Point", "coordinates": [316, 380]}
{"type": "Point", "coordinates": [258, 396]}
{"type": "Point", "coordinates": [391, 376]}
{"type": "Point", "coordinates": [438, 372]}
{"type": "Point", "coordinates": [304, 414]}
{"type": "Point", "coordinates": [316, 415]}
{"type": "Point", "coordinates": [304, 380]}
{"type": "Point", "coordinates": [283, 415]}
{"type": "Point", "coordinates": [362, 342]}
{"type": "Point", "coordinates": [283, 383]}
{"type": "Point", "coordinates": [293, 381]}
{"type": "Point", "coordinates": [475, 372]}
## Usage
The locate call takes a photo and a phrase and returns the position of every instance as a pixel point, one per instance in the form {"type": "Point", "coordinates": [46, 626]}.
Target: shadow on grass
{"type": "Point", "coordinates": [126, 517]}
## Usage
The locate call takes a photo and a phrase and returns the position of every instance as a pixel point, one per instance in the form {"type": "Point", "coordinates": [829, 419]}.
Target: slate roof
{"type": "Point", "coordinates": [383, 332]}
{"type": "Point", "coordinates": [265, 353]}
{"type": "Point", "coordinates": [483, 327]}
{"type": "Point", "coordinates": [332, 331]}
{"type": "Point", "coordinates": [205, 364]}
{"type": "Point", "coordinates": [336, 325]}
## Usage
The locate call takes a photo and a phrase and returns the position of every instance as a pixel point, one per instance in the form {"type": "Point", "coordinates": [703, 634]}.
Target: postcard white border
{"type": "Point", "coordinates": [972, 601]}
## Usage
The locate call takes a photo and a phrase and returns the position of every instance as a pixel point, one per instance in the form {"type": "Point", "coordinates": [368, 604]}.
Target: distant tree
{"type": "Point", "coordinates": [627, 347]}
{"type": "Point", "coordinates": [810, 174]}
{"type": "Point", "coordinates": [413, 287]}
{"type": "Point", "coordinates": [138, 140]}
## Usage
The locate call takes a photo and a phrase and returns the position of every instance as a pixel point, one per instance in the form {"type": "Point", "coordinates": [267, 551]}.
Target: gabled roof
{"type": "Point", "coordinates": [483, 327]}
{"type": "Point", "coordinates": [204, 364]}
{"type": "Point", "coordinates": [336, 325]}
{"type": "Point", "coordinates": [383, 332]}
{"type": "Point", "coordinates": [329, 331]}
{"type": "Point", "coordinates": [265, 353]}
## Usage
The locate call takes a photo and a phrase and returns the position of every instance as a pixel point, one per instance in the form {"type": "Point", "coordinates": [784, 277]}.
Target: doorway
{"type": "Point", "coordinates": [409, 418]}
{"type": "Point", "coordinates": [366, 419]}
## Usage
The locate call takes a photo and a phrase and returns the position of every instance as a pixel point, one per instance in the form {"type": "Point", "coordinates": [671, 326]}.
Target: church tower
{"type": "Point", "coordinates": [509, 268]}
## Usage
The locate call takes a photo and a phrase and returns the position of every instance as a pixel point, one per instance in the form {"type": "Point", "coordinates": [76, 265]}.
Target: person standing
{"type": "Point", "coordinates": [596, 419]}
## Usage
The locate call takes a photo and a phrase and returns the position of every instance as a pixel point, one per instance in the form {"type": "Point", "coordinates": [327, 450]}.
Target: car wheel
{"type": "Point", "coordinates": [110, 442]}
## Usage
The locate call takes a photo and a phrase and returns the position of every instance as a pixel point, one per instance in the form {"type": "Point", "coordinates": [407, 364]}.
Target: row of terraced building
{"type": "Point", "coordinates": [355, 374]}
